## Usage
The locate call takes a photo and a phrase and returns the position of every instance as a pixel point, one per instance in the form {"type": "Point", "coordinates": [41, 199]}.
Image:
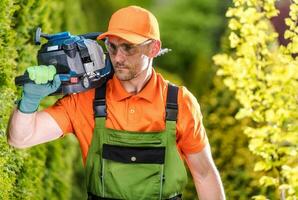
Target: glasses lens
{"type": "Point", "coordinates": [111, 48]}
{"type": "Point", "coordinates": [126, 49]}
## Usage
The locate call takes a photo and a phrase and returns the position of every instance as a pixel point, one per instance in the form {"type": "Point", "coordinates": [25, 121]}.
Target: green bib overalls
{"type": "Point", "coordinates": [134, 165]}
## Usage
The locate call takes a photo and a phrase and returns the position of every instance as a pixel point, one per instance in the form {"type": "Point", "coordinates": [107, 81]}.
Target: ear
{"type": "Point", "coordinates": [154, 48]}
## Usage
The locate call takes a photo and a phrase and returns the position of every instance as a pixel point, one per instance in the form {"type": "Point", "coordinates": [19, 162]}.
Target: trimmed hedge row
{"type": "Point", "coordinates": [44, 171]}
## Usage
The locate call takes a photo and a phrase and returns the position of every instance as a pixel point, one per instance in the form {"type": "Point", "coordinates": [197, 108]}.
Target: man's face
{"type": "Point", "coordinates": [128, 60]}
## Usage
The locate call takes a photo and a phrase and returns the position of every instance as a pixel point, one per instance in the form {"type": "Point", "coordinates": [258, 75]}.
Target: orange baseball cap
{"type": "Point", "coordinates": [134, 24]}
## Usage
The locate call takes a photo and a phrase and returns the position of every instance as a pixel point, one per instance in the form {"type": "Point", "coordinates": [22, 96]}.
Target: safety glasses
{"type": "Point", "coordinates": [126, 49]}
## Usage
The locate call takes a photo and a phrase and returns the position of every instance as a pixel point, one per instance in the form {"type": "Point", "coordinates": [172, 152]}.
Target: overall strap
{"type": "Point", "coordinates": [99, 103]}
{"type": "Point", "coordinates": [172, 106]}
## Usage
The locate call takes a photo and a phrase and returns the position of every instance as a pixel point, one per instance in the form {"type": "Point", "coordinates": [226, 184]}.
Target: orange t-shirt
{"type": "Point", "coordinates": [142, 112]}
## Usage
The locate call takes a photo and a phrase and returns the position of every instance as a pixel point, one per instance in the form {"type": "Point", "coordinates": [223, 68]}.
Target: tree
{"type": "Point", "coordinates": [264, 77]}
{"type": "Point", "coordinates": [192, 29]}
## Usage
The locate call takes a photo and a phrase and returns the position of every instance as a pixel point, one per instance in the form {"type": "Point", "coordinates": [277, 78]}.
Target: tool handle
{"type": "Point", "coordinates": [21, 80]}
{"type": "Point", "coordinates": [91, 36]}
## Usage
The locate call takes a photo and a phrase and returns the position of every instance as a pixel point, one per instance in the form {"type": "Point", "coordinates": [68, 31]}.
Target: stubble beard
{"type": "Point", "coordinates": [124, 73]}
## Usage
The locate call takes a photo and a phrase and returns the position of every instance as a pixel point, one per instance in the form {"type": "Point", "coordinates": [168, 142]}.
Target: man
{"type": "Point", "coordinates": [134, 146]}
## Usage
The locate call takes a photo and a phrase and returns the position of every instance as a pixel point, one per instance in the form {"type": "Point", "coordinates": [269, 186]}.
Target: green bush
{"type": "Point", "coordinates": [228, 143]}
{"type": "Point", "coordinates": [192, 29]}
{"type": "Point", "coordinates": [44, 171]}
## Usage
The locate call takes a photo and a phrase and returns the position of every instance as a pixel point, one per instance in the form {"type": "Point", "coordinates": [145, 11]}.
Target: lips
{"type": "Point", "coordinates": [121, 67]}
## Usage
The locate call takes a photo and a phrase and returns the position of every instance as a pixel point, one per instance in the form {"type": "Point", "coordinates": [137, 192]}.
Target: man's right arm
{"type": "Point", "coordinates": [26, 130]}
{"type": "Point", "coordinates": [27, 127]}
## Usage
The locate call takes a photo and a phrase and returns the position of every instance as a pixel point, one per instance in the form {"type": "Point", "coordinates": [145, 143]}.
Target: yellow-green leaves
{"type": "Point", "coordinates": [234, 40]}
{"type": "Point", "coordinates": [259, 197]}
{"type": "Point", "coordinates": [264, 77]}
{"type": "Point", "coordinates": [268, 181]}
{"type": "Point", "coordinates": [262, 166]}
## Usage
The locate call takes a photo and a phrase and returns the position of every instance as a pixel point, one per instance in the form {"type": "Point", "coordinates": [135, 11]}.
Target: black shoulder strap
{"type": "Point", "coordinates": [172, 105]}
{"type": "Point", "coordinates": [99, 103]}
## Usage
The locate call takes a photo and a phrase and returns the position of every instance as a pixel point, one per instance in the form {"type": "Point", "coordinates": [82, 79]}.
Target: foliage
{"type": "Point", "coordinates": [264, 77]}
{"type": "Point", "coordinates": [97, 13]}
{"type": "Point", "coordinates": [41, 172]}
{"type": "Point", "coordinates": [8, 165]}
{"type": "Point", "coordinates": [192, 30]}
{"type": "Point", "coordinates": [229, 146]}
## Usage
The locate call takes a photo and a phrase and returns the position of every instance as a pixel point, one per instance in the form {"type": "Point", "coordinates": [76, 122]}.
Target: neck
{"type": "Point", "coordinates": [136, 84]}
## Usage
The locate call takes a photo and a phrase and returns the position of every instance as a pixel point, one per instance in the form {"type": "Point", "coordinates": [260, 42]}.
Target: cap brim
{"type": "Point", "coordinates": [130, 37]}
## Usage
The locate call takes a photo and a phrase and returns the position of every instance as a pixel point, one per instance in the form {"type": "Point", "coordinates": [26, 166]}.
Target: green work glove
{"type": "Point", "coordinates": [45, 83]}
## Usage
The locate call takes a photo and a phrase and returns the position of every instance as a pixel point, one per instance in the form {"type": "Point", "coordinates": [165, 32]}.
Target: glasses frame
{"type": "Point", "coordinates": [123, 46]}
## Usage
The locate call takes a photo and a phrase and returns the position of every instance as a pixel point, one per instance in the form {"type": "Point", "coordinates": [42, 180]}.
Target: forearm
{"type": "Point", "coordinates": [27, 130]}
{"type": "Point", "coordinates": [205, 175]}
{"type": "Point", "coordinates": [209, 186]}
{"type": "Point", "coordinates": [21, 127]}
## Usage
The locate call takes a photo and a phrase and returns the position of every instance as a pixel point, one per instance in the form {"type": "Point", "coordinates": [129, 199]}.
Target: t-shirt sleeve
{"type": "Point", "coordinates": [191, 134]}
{"type": "Point", "coordinates": [60, 112]}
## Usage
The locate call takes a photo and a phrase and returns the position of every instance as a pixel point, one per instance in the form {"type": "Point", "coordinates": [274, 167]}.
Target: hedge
{"type": "Point", "coordinates": [44, 171]}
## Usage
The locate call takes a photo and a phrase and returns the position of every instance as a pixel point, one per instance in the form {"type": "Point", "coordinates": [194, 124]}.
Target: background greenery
{"type": "Point", "coordinates": [194, 30]}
